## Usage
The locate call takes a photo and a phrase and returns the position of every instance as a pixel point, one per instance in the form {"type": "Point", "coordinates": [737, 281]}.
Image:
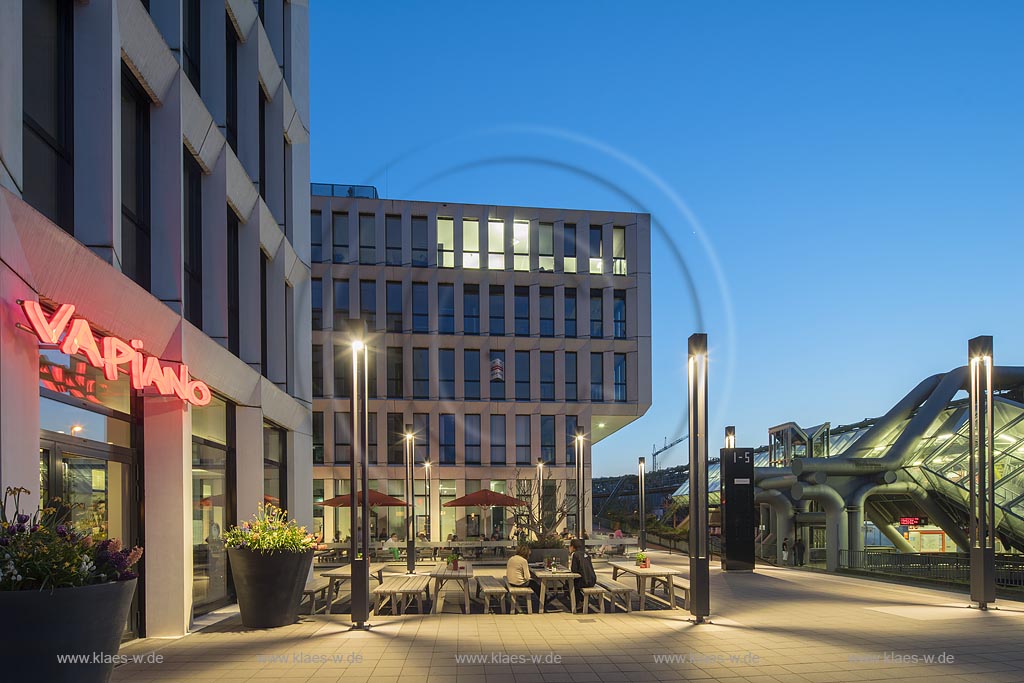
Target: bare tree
{"type": "Point", "coordinates": [531, 516]}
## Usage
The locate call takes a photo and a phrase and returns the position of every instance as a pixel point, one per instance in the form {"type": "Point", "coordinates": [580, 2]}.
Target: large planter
{"type": "Point", "coordinates": [269, 585]}
{"type": "Point", "coordinates": [84, 624]}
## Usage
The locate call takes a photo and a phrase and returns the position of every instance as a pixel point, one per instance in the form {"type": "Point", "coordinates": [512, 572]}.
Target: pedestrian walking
{"type": "Point", "coordinates": [785, 550]}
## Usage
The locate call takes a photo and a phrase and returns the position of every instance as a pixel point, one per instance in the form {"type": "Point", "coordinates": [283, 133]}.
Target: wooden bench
{"type": "Point", "coordinates": [400, 590]}
{"type": "Point", "coordinates": [616, 589]}
{"type": "Point", "coordinates": [682, 587]}
{"type": "Point", "coordinates": [591, 591]}
{"type": "Point", "coordinates": [315, 587]}
{"type": "Point", "coordinates": [491, 588]}
{"type": "Point", "coordinates": [516, 592]}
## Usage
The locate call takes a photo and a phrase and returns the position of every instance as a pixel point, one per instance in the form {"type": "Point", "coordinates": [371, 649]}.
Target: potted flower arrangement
{"type": "Point", "coordinates": [270, 558]}
{"type": "Point", "coordinates": [548, 545]}
{"type": "Point", "coordinates": [642, 560]}
{"type": "Point", "coordinates": [453, 560]}
{"type": "Point", "coordinates": [64, 594]}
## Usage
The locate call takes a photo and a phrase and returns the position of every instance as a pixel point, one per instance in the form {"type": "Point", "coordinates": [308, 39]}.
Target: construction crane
{"type": "Point", "coordinates": [655, 450]}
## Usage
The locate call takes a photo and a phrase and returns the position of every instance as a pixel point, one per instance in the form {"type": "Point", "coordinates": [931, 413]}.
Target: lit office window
{"type": "Point", "coordinates": [521, 245]}
{"type": "Point", "coordinates": [339, 227]}
{"type": "Point", "coordinates": [547, 375]}
{"type": "Point", "coordinates": [393, 294]}
{"type": "Point", "coordinates": [316, 237]}
{"type": "Point", "coordinates": [546, 247]}
{"type": "Point", "coordinates": [570, 312]}
{"type": "Point", "coordinates": [446, 308]}
{"type": "Point", "coordinates": [318, 370]}
{"type": "Point", "coordinates": [596, 314]}
{"type": "Point", "coordinates": [571, 422]}
{"type": "Point", "coordinates": [367, 239]}
{"type": "Point", "coordinates": [522, 375]}
{"type": "Point", "coordinates": [521, 307]}
{"type": "Point", "coordinates": [496, 312]}
{"type": "Point", "coordinates": [446, 374]}
{"type": "Point", "coordinates": [393, 240]}
{"type": "Point", "coordinates": [420, 307]}
{"type": "Point", "coordinates": [547, 312]}
{"type": "Point", "coordinates": [471, 378]}
{"type": "Point", "coordinates": [619, 313]}
{"type": "Point", "coordinates": [471, 309]}
{"type": "Point", "coordinates": [394, 367]}
{"type": "Point", "coordinates": [317, 295]}
{"type": "Point", "coordinates": [446, 442]}
{"type": "Point", "coordinates": [497, 384]}
{"type": "Point", "coordinates": [547, 439]}
{"type": "Point", "coordinates": [368, 303]}
{"type": "Point", "coordinates": [470, 243]}
{"type": "Point", "coordinates": [420, 373]}
{"type": "Point", "coordinates": [497, 439]}
{"type": "Point", "coordinates": [620, 377]}
{"type": "Point", "coordinates": [445, 243]}
{"type": "Point", "coordinates": [523, 449]}
{"type": "Point", "coordinates": [341, 305]}
{"type": "Point", "coordinates": [569, 247]}
{"type": "Point", "coordinates": [596, 377]}
{"type": "Point", "coordinates": [471, 424]}
{"type": "Point", "coordinates": [496, 245]}
{"type": "Point", "coordinates": [571, 393]}
{"type": "Point", "coordinates": [596, 255]}
{"type": "Point", "coordinates": [619, 251]}
{"type": "Point", "coordinates": [419, 241]}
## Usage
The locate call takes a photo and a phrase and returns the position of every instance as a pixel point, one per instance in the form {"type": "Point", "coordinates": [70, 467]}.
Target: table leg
{"type": "Point", "coordinates": [331, 585]}
{"type": "Point", "coordinates": [671, 591]}
{"type": "Point", "coordinates": [572, 594]}
{"type": "Point", "coordinates": [437, 596]}
{"type": "Point", "coordinates": [615, 573]}
{"type": "Point", "coordinates": [543, 592]}
{"type": "Point", "coordinates": [465, 588]}
{"type": "Point", "coordinates": [642, 587]}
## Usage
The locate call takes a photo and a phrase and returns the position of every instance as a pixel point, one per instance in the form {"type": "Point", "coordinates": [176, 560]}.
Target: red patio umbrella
{"type": "Point", "coordinates": [217, 500]}
{"type": "Point", "coordinates": [376, 498]}
{"type": "Point", "coordinates": [486, 498]}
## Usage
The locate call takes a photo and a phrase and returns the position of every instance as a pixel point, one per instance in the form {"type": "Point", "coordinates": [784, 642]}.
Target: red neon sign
{"type": "Point", "coordinates": [111, 353]}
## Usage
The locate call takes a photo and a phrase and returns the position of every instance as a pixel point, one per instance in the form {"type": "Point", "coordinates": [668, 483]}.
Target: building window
{"type": "Point", "coordinates": [521, 245]}
{"type": "Point", "coordinates": [471, 425]}
{"type": "Point", "coordinates": [275, 467]}
{"type": "Point", "coordinates": [445, 243]}
{"type": "Point", "coordinates": [393, 240]}
{"type": "Point", "coordinates": [193, 212]}
{"type": "Point", "coordinates": [339, 229]}
{"type": "Point", "coordinates": [318, 437]}
{"type": "Point", "coordinates": [446, 308]}
{"type": "Point", "coordinates": [596, 377]}
{"type": "Point", "coordinates": [234, 298]}
{"type": "Point", "coordinates": [547, 312]}
{"type": "Point", "coordinates": [497, 375]}
{"type": "Point", "coordinates": [231, 79]}
{"type": "Point", "coordinates": [569, 247]}
{"type": "Point", "coordinates": [546, 247]}
{"type": "Point", "coordinates": [47, 107]}
{"type": "Point", "coordinates": [496, 245]}
{"type": "Point", "coordinates": [419, 241]}
{"type": "Point", "coordinates": [522, 375]}
{"type": "Point", "coordinates": [571, 425]}
{"type": "Point", "coordinates": [471, 374]}
{"type": "Point", "coordinates": [393, 292]}
{"type": "Point", "coordinates": [316, 237]}
{"type": "Point", "coordinates": [342, 438]}
{"type": "Point", "coordinates": [371, 438]}
{"type": "Point", "coordinates": [342, 371]}
{"type": "Point", "coordinates": [619, 251]}
{"type": "Point", "coordinates": [367, 239]}
{"type": "Point", "coordinates": [190, 41]}
{"type": "Point", "coordinates": [317, 295]}
{"type": "Point", "coordinates": [547, 375]}
{"type": "Point", "coordinates": [447, 440]}
{"type": "Point", "coordinates": [470, 243]}
{"type": "Point", "coordinates": [497, 439]}
{"type": "Point", "coordinates": [596, 254]}
{"type": "Point", "coordinates": [471, 309]}
{"type": "Point", "coordinates": [420, 373]}
{"type": "Point", "coordinates": [318, 370]}
{"type": "Point", "coordinates": [263, 142]}
{"type": "Point", "coordinates": [547, 439]}
{"type": "Point", "coordinates": [420, 307]}
{"type": "Point", "coordinates": [264, 341]}
{"type": "Point", "coordinates": [522, 311]}
{"type": "Point", "coordinates": [135, 179]}
{"type": "Point", "coordinates": [596, 314]}
{"type": "Point", "coordinates": [446, 374]}
{"type": "Point", "coordinates": [396, 439]}
{"type": "Point", "coordinates": [523, 455]}
{"type": "Point", "coordinates": [570, 312]}
{"type": "Point", "coordinates": [341, 304]}
{"type": "Point", "coordinates": [371, 372]}
{"type": "Point", "coordinates": [496, 312]}
{"type": "Point", "coordinates": [394, 367]}
{"type": "Point", "coordinates": [368, 303]}
{"type": "Point", "coordinates": [619, 313]}
{"type": "Point", "coordinates": [571, 393]}
{"type": "Point", "coordinates": [421, 428]}
{"type": "Point", "coordinates": [620, 377]}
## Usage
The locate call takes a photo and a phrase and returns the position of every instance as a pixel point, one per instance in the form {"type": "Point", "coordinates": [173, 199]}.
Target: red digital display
{"type": "Point", "coordinates": [910, 521]}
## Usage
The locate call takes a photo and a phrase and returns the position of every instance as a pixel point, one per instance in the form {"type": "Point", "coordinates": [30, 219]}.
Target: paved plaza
{"type": "Point", "coordinates": [775, 624]}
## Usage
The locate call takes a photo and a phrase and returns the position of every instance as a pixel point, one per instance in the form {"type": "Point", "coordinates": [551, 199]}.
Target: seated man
{"type": "Point", "coordinates": [580, 563]}
{"type": "Point", "coordinates": [517, 571]}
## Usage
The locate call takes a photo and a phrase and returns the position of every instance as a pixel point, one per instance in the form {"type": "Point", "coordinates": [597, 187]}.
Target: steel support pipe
{"type": "Point", "coordinates": [782, 510]}
{"type": "Point", "coordinates": [836, 535]}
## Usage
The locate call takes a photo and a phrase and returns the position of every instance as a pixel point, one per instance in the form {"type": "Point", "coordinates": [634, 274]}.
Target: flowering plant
{"type": "Point", "coordinates": [45, 551]}
{"type": "Point", "coordinates": [269, 531]}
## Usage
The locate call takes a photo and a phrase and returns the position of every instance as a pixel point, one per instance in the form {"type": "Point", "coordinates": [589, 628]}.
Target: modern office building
{"type": "Point", "coordinates": [154, 275]}
{"type": "Point", "coordinates": [495, 332]}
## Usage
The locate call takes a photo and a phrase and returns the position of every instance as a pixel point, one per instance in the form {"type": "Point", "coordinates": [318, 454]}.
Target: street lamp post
{"type": "Point", "coordinates": [697, 380]}
{"type": "Point", "coordinates": [360, 547]}
{"type": "Point", "coordinates": [410, 499]}
{"type": "Point", "coordinates": [426, 485]}
{"type": "Point", "coordinates": [730, 437]}
{"type": "Point", "coordinates": [581, 527]}
{"type": "Point", "coordinates": [642, 474]}
{"type": "Point", "coordinates": [982, 473]}
{"type": "Point", "coordinates": [540, 496]}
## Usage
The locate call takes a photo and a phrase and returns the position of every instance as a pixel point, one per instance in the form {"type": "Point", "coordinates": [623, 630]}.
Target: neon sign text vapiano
{"type": "Point", "coordinates": [111, 353]}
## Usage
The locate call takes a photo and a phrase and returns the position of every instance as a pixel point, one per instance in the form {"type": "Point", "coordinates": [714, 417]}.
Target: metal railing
{"type": "Point", "coordinates": [948, 567]}
{"type": "Point", "coordinates": [335, 190]}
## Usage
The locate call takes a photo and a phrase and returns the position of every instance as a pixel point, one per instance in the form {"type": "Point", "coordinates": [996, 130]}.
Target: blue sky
{"type": "Point", "coordinates": [842, 180]}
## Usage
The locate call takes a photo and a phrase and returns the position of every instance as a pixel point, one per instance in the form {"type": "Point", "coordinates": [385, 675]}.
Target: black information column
{"type": "Point", "coordinates": [738, 518]}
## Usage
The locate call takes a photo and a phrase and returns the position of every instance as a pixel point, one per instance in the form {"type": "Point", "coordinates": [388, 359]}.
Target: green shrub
{"type": "Point", "coordinates": [270, 531]}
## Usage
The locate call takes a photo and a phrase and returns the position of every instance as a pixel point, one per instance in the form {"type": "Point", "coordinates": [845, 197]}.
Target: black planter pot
{"type": "Point", "coordinates": [269, 585]}
{"type": "Point", "coordinates": [86, 623]}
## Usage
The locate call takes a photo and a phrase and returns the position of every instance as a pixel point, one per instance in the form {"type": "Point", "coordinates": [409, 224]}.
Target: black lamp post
{"type": "Point", "coordinates": [697, 380]}
{"type": "Point", "coordinates": [410, 499]}
{"type": "Point", "coordinates": [642, 475]}
{"type": "Point", "coordinates": [360, 547]}
{"type": "Point", "coordinates": [581, 527]}
{"type": "Point", "coordinates": [982, 473]}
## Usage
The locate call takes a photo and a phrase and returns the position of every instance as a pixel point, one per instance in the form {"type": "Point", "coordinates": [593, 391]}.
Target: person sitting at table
{"type": "Point", "coordinates": [580, 563]}
{"type": "Point", "coordinates": [517, 570]}
{"type": "Point", "coordinates": [393, 545]}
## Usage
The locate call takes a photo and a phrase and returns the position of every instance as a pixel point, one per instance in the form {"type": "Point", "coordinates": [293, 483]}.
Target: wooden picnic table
{"type": "Point", "coordinates": [442, 574]}
{"type": "Point", "coordinates": [337, 576]}
{"type": "Point", "coordinates": [643, 574]}
{"type": "Point", "coordinates": [556, 575]}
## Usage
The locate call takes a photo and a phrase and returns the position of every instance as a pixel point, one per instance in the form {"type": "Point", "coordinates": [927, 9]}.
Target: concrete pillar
{"type": "Point", "coordinates": [249, 461]}
{"type": "Point", "coordinates": [166, 164]}
{"type": "Point", "coordinates": [249, 255]}
{"type": "Point", "coordinates": [300, 476]}
{"type": "Point", "coordinates": [215, 250]}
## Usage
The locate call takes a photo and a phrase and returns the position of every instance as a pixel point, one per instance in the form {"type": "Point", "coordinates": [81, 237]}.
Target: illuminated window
{"type": "Point", "coordinates": [596, 256]}
{"type": "Point", "coordinates": [496, 245]}
{"type": "Point", "coordinates": [569, 247]}
{"type": "Point", "coordinates": [619, 251]}
{"type": "Point", "coordinates": [521, 245]}
{"type": "Point", "coordinates": [445, 243]}
{"type": "Point", "coordinates": [470, 243]}
{"type": "Point", "coordinates": [546, 247]}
